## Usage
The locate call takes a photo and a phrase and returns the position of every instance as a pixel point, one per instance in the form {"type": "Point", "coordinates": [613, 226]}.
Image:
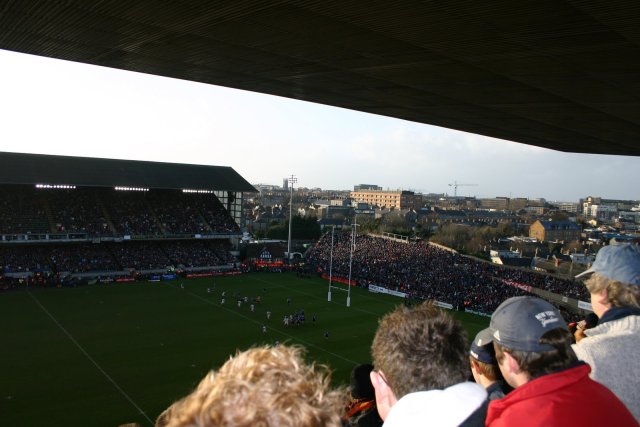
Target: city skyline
{"type": "Point", "coordinates": [448, 195]}
{"type": "Point", "coordinates": [62, 108]}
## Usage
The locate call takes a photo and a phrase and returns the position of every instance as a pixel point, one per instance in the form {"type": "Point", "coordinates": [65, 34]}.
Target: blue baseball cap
{"type": "Point", "coordinates": [482, 347]}
{"type": "Point", "coordinates": [619, 262]}
{"type": "Point", "coordinates": [519, 323]}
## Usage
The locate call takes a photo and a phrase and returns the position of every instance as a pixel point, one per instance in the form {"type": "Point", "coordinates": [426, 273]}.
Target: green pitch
{"type": "Point", "coordinates": [103, 355]}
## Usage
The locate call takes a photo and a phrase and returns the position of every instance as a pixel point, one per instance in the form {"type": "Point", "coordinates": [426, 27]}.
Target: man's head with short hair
{"type": "Point", "coordinates": [482, 358]}
{"type": "Point", "coordinates": [266, 386]}
{"type": "Point", "coordinates": [531, 339]}
{"type": "Point", "coordinates": [416, 349]}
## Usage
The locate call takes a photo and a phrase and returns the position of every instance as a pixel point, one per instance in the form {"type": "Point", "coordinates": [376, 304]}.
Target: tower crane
{"type": "Point", "coordinates": [455, 186]}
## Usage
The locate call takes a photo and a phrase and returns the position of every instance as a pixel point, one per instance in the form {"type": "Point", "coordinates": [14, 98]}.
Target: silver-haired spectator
{"type": "Point", "coordinates": [612, 347]}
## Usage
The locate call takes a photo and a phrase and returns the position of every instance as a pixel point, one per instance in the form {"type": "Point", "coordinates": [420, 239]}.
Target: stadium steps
{"type": "Point", "coordinates": [106, 214]}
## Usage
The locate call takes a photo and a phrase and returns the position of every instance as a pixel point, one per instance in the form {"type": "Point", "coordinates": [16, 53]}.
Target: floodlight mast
{"type": "Point", "coordinates": [354, 232]}
{"type": "Point", "coordinates": [292, 180]}
{"type": "Point", "coordinates": [331, 265]}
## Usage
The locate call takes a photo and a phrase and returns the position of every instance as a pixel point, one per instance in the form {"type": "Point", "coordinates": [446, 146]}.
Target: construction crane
{"type": "Point", "coordinates": [455, 186]}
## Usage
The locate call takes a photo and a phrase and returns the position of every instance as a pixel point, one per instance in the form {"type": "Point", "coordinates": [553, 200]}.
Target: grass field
{"type": "Point", "coordinates": [103, 355]}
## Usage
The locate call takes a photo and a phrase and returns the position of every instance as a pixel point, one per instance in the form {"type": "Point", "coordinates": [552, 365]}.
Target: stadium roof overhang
{"type": "Point", "coordinates": [559, 74]}
{"type": "Point", "coordinates": [16, 168]}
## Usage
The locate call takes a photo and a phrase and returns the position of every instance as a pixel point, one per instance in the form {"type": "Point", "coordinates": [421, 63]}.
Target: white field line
{"type": "Point", "coordinates": [88, 356]}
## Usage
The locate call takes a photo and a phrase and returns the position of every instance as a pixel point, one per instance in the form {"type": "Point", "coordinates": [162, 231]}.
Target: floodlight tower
{"type": "Point", "coordinates": [292, 180]}
{"type": "Point", "coordinates": [354, 233]}
{"type": "Point", "coordinates": [331, 264]}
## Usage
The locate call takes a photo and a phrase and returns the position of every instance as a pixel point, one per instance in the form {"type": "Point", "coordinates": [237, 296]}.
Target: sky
{"type": "Point", "coordinates": [58, 107]}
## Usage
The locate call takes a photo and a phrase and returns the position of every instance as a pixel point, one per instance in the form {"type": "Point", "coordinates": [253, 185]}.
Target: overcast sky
{"type": "Point", "coordinates": [56, 107]}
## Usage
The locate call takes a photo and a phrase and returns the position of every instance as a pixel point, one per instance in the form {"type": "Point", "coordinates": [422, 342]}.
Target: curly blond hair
{"type": "Point", "coordinates": [262, 387]}
{"type": "Point", "coordinates": [618, 294]}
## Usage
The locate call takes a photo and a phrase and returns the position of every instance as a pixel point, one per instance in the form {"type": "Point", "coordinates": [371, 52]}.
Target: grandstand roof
{"type": "Point", "coordinates": [560, 74]}
{"type": "Point", "coordinates": [18, 168]}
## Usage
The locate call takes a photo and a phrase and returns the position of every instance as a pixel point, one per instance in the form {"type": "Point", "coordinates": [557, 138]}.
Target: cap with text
{"type": "Point", "coordinates": [519, 323]}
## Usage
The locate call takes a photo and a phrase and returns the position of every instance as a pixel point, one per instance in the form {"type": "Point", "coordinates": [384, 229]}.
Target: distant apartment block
{"type": "Point", "coordinates": [339, 202]}
{"type": "Point", "coordinates": [605, 209]}
{"type": "Point", "coordinates": [548, 231]}
{"type": "Point", "coordinates": [388, 199]}
{"type": "Point", "coordinates": [497, 203]}
{"type": "Point", "coordinates": [518, 203]}
{"type": "Point", "coordinates": [603, 212]}
{"type": "Point", "coordinates": [534, 210]}
{"type": "Point", "coordinates": [511, 204]}
{"type": "Point", "coordinates": [366, 187]}
{"type": "Point", "coordinates": [567, 206]}
{"type": "Point", "coordinates": [633, 216]}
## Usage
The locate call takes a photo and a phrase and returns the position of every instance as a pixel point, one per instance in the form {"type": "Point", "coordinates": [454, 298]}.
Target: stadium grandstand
{"type": "Point", "coordinates": [74, 216]}
{"type": "Point", "coordinates": [424, 271]}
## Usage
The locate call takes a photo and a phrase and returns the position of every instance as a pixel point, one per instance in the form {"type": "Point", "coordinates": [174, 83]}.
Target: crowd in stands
{"type": "Point", "coordinates": [81, 258]}
{"type": "Point", "coordinates": [547, 282]}
{"type": "Point", "coordinates": [21, 211]}
{"type": "Point", "coordinates": [140, 256]}
{"type": "Point", "coordinates": [176, 216]}
{"type": "Point", "coordinates": [425, 271]}
{"type": "Point", "coordinates": [129, 213]}
{"type": "Point", "coordinates": [214, 213]}
{"type": "Point", "coordinates": [76, 211]}
{"type": "Point", "coordinates": [19, 258]}
{"type": "Point", "coordinates": [112, 256]}
{"type": "Point", "coordinates": [98, 213]}
{"type": "Point", "coordinates": [196, 254]}
{"type": "Point", "coordinates": [107, 212]}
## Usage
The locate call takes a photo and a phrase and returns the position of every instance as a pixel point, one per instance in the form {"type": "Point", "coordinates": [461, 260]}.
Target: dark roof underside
{"type": "Point", "coordinates": [89, 172]}
{"type": "Point", "coordinates": [560, 74]}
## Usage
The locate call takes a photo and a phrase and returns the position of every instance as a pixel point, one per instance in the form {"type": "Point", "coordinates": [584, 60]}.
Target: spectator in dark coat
{"type": "Point", "coordinates": [362, 410]}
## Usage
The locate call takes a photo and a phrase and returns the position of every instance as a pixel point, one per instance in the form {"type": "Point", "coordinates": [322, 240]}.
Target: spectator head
{"type": "Point", "coordinates": [265, 386]}
{"type": "Point", "coordinates": [416, 349]}
{"type": "Point", "coordinates": [360, 382]}
{"type": "Point", "coordinates": [482, 358]}
{"type": "Point", "coordinates": [531, 339]}
{"type": "Point", "coordinates": [614, 278]}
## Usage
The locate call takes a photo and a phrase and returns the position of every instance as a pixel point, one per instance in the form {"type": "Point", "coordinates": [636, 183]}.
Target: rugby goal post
{"type": "Point", "coordinates": [331, 285]}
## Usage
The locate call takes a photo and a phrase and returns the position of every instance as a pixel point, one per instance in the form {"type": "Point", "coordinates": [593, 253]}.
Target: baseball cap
{"type": "Point", "coordinates": [482, 347]}
{"type": "Point", "coordinates": [519, 323]}
{"type": "Point", "coordinates": [619, 262]}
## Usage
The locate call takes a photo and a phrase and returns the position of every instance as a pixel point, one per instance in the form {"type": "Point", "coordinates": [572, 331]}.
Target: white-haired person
{"type": "Point", "coordinates": [262, 386]}
{"type": "Point", "coordinates": [612, 347]}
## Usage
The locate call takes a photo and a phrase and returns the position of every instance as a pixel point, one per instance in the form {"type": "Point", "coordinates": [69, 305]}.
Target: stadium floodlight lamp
{"type": "Point", "coordinates": [187, 190]}
{"type": "Point", "coordinates": [56, 186]}
{"type": "Point", "coordinates": [131, 189]}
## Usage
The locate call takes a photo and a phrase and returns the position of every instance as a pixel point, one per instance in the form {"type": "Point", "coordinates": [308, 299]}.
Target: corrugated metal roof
{"type": "Point", "coordinates": [561, 74]}
{"type": "Point", "coordinates": [18, 168]}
